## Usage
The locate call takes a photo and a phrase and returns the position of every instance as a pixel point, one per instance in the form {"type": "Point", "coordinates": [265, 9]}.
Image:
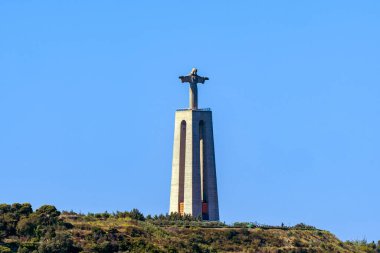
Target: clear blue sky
{"type": "Point", "coordinates": [88, 91]}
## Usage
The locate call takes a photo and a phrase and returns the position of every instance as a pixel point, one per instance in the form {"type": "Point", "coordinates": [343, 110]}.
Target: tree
{"type": "Point", "coordinates": [25, 209]}
{"type": "Point", "coordinates": [4, 208]}
{"type": "Point", "coordinates": [8, 222]}
{"type": "Point", "coordinates": [47, 215]}
{"type": "Point", "coordinates": [136, 215]}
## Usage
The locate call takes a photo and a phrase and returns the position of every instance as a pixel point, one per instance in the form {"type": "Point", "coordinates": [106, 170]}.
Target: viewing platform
{"type": "Point", "coordinates": [198, 109]}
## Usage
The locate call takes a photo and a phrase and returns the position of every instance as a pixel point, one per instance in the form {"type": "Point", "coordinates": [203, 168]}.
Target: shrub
{"type": "Point", "coordinates": [27, 226]}
{"type": "Point", "coordinates": [60, 243]}
{"type": "Point", "coordinates": [230, 234]}
{"type": "Point", "coordinates": [304, 226]}
{"type": "Point", "coordinates": [4, 249]}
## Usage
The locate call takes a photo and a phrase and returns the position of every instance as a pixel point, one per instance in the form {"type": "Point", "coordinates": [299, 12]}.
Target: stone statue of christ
{"type": "Point", "coordinates": [193, 79]}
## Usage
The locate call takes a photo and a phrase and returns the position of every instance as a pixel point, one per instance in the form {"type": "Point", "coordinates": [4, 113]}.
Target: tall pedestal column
{"type": "Point", "coordinates": [194, 184]}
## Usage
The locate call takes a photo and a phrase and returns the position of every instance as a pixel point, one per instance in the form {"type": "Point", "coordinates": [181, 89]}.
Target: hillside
{"type": "Point", "coordinates": [48, 230]}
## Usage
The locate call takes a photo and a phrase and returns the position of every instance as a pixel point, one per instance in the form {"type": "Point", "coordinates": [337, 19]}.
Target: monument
{"type": "Point", "coordinates": [193, 185]}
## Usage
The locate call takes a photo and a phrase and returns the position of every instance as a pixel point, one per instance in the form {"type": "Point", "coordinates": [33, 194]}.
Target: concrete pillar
{"type": "Point", "coordinates": [193, 96]}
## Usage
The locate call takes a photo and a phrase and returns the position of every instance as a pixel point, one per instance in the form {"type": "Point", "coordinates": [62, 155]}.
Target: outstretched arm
{"type": "Point", "coordinates": [185, 79]}
{"type": "Point", "coordinates": [202, 79]}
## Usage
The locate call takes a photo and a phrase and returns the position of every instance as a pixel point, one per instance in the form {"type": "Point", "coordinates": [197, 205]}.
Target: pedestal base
{"type": "Point", "coordinates": [194, 185]}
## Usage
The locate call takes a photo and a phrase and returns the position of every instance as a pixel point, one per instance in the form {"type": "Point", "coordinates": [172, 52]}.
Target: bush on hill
{"type": "Point", "coordinates": [47, 230]}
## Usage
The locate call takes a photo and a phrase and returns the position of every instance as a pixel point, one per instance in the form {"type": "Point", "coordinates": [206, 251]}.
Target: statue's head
{"type": "Point", "coordinates": [193, 71]}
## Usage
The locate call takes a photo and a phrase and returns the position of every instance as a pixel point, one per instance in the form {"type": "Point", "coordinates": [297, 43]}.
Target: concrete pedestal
{"type": "Point", "coordinates": [194, 185]}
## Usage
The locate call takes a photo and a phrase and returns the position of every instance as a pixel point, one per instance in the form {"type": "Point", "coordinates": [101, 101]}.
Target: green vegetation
{"type": "Point", "coordinates": [47, 230]}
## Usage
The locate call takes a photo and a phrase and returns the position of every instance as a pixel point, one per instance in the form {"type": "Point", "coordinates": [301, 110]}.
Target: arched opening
{"type": "Point", "coordinates": [182, 157]}
{"type": "Point", "coordinates": [203, 170]}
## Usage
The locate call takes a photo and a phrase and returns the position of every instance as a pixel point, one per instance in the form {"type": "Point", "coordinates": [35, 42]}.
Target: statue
{"type": "Point", "coordinates": [193, 79]}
